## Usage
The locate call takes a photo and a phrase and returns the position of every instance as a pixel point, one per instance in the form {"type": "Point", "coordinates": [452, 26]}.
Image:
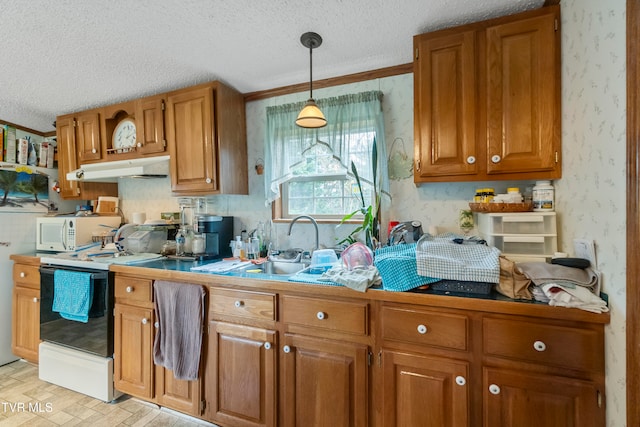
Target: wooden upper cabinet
{"type": "Point", "coordinates": [487, 100]}
{"type": "Point", "coordinates": [67, 159]}
{"type": "Point", "coordinates": [523, 72]}
{"type": "Point", "coordinates": [207, 140]}
{"type": "Point", "coordinates": [88, 136]}
{"type": "Point", "coordinates": [150, 125]}
{"type": "Point", "coordinates": [445, 105]}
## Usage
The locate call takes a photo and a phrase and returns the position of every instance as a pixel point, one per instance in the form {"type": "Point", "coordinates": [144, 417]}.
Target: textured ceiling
{"type": "Point", "coordinates": [70, 55]}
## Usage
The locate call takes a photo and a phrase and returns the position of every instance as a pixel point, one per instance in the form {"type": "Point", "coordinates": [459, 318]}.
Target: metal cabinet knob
{"type": "Point", "coordinates": [267, 345]}
{"type": "Point", "coordinates": [80, 174]}
{"type": "Point", "coordinates": [145, 320]}
{"type": "Point", "coordinates": [495, 158]}
{"type": "Point", "coordinates": [539, 346]}
{"type": "Point", "coordinates": [471, 160]}
{"type": "Point", "coordinates": [129, 289]}
{"type": "Point", "coordinates": [422, 329]}
{"type": "Point", "coordinates": [321, 316]}
{"type": "Point", "coordinates": [238, 304]}
{"type": "Point", "coordinates": [286, 349]}
{"type": "Point", "coordinates": [494, 389]}
{"type": "Point", "coordinates": [460, 380]}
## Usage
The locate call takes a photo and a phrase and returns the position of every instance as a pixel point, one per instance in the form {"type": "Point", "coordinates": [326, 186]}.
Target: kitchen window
{"type": "Point", "coordinates": [308, 171]}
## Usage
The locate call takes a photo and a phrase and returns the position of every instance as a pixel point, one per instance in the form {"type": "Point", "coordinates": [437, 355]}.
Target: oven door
{"type": "Point", "coordinates": [96, 335]}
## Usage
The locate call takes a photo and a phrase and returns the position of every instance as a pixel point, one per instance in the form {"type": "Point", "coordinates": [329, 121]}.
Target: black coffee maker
{"type": "Point", "coordinates": [218, 232]}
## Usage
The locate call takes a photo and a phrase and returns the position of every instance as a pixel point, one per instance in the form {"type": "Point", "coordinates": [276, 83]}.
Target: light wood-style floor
{"type": "Point", "coordinates": [25, 400]}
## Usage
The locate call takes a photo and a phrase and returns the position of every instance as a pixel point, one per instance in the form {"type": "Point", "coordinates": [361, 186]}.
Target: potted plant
{"type": "Point", "coordinates": [370, 224]}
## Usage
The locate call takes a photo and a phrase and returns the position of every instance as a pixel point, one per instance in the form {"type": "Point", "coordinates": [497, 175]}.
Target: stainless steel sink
{"type": "Point", "coordinates": [279, 267]}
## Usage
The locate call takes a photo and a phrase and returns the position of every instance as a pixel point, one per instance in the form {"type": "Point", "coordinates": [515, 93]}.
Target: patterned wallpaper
{"type": "Point", "coordinates": [590, 198]}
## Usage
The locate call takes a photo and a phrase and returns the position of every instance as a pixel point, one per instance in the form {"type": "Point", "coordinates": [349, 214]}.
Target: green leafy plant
{"type": "Point", "coordinates": [370, 225]}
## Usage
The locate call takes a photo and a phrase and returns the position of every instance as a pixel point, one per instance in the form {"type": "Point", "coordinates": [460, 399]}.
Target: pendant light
{"type": "Point", "coordinates": [310, 116]}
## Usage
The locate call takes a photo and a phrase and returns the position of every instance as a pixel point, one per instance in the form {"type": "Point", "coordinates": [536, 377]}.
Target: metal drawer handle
{"type": "Point", "coordinates": [539, 346]}
{"type": "Point", "coordinates": [267, 345]}
{"type": "Point", "coordinates": [422, 329]}
{"type": "Point", "coordinates": [145, 320]}
{"type": "Point", "coordinates": [286, 349]}
{"type": "Point", "coordinates": [238, 304]}
{"type": "Point", "coordinates": [129, 289]}
{"type": "Point", "coordinates": [460, 380]}
{"type": "Point", "coordinates": [494, 389]}
{"type": "Point", "coordinates": [321, 316]}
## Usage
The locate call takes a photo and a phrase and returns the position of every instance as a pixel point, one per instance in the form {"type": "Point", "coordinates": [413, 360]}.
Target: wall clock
{"type": "Point", "coordinates": [124, 135]}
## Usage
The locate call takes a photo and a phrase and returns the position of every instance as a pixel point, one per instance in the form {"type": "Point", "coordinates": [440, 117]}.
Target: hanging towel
{"type": "Point", "coordinates": [179, 311]}
{"type": "Point", "coordinates": [72, 294]}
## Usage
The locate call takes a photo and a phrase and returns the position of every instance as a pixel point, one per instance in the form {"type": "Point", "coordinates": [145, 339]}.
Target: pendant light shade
{"type": "Point", "coordinates": [310, 116]}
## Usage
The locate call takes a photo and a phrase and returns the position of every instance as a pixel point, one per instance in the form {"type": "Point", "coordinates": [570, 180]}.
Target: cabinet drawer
{"type": "Point", "coordinates": [562, 346]}
{"type": "Point", "coordinates": [433, 328]}
{"type": "Point", "coordinates": [339, 316]}
{"type": "Point", "coordinates": [27, 275]}
{"type": "Point", "coordinates": [134, 289]}
{"type": "Point", "coordinates": [252, 305]}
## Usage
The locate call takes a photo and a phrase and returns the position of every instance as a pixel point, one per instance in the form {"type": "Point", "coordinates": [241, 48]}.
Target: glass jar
{"type": "Point", "coordinates": [198, 244]}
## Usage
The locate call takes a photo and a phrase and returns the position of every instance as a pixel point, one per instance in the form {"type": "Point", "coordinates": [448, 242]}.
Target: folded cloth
{"type": "Point", "coordinates": [541, 273]}
{"type": "Point", "coordinates": [358, 279]}
{"type": "Point", "coordinates": [444, 259]}
{"type": "Point", "coordinates": [574, 296]}
{"type": "Point", "coordinates": [179, 311]}
{"type": "Point", "coordinates": [72, 294]}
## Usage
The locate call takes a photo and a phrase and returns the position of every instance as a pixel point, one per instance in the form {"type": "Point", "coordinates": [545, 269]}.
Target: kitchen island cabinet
{"type": "Point", "coordinates": [487, 100]}
{"type": "Point", "coordinates": [279, 352]}
{"type": "Point", "coordinates": [25, 316]}
{"type": "Point", "coordinates": [206, 134]}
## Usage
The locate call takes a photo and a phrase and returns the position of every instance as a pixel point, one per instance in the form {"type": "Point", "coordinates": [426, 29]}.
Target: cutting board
{"type": "Point", "coordinates": [107, 205]}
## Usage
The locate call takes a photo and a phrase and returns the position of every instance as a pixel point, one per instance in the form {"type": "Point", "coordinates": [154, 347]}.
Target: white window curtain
{"type": "Point", "coordinates": [347, 117]}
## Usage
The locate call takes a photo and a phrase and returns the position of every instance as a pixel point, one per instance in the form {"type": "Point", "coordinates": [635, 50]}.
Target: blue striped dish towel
{"type": "Point", "coordinates": [72, 294]}
{"type": "Point", "coordinates": [397, 267]}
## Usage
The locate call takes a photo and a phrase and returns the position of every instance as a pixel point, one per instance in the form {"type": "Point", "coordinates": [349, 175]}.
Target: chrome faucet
{"type": "Point", "coordinates": [313, 221]}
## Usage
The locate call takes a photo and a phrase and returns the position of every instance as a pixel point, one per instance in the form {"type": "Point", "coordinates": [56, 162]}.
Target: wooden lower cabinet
{"type": "Point", "coordinates": [424, 391]}
{"type": "Point", "coordinates": [522, 399]}
{"type": "Point", "coordinates": [324, 382]}
{"type": "Point", "coordinates": [287, 357]}
{"type": "Point", "coordinates": [241, 386]}
{"type": "Point", "coordinates": [134, 370]}
{"type": "Point", "coordinates": [25, 317]}
{"type": "Point", "coordinates": [133, 362]}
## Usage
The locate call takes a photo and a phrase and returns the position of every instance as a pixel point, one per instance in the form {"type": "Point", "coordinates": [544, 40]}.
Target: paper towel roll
{"type": "Point", "coordinates": [138, 217]}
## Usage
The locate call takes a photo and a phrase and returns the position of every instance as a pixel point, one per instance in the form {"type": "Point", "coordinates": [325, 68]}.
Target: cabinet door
{"type": "Point", "coordinates": [324, 382]}
{"type": "Point", "coordinates": [523, 79]}
{"type": "Point", "coordinates": [25, 328]}
{"type": "Point", "coordinates": [67, 159]}
{"type": "Point", "coordinates": [150, 125]}
{"type": "Point", "coordinates": [532, 400]}
{"type": "Point", "coordinates": [88, 136]}
{"type": "Point", "coordinates": [424, 391]}
{"type": "Point", "coordinates": [133, 359]}
{"type": "Point", "coordinates": [190, 133]}
{"type": "Point", "coordinates": [445, 105]}
{"type": "Point", "coordinates": [181, 395]}
{"type": "Point", "coordinates": [241, 386]}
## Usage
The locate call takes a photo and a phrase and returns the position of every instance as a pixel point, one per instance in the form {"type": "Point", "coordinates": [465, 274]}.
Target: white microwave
{"type": "Point", "coordinates": [68, 233]}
